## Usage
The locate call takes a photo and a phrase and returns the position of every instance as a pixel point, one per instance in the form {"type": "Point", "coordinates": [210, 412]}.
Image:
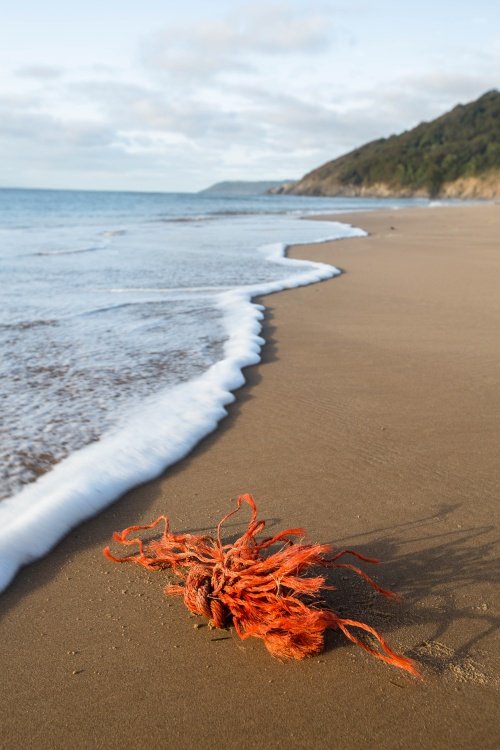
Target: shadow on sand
{"type": "Point", "coordinates": [431, 570]}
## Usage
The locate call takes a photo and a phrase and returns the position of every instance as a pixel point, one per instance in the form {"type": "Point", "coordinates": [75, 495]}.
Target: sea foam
{"type": "Point", "coordinates": [162, 431]}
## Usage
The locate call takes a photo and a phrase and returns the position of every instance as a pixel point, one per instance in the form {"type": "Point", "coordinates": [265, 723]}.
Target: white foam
{"type": "Point", "coordinates": [164, 430]}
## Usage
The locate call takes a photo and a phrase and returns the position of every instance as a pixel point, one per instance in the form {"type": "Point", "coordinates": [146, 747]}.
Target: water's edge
{"type": "Point", "coordinates": [35, 519]}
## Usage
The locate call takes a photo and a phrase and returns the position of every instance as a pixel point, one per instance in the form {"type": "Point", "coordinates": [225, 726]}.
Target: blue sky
{"type": "Point", "coordinates": [174, 96]}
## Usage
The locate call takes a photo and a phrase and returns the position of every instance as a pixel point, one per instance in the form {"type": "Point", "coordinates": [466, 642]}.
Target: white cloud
{"type": "Point", "coordinates": [21, 120]}
{"type": "Point", "coordinates": [203, 50]}
{"type": "Point", "coordinates": [139, 142]}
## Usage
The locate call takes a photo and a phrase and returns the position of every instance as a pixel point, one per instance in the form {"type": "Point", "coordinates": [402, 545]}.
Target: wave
{"type": "Point", "coordinates": [23, 325]}
{"type": "Point", "coordinates": [185, 219]}
{"type": "Point", "coordinates": [255, 212]}
{"type": "Point", "coordinates": [77, 251]}
{"type": "Point", "coordinates": [158, 434]}
{"type": "Point", "coordinates": [231, 213]}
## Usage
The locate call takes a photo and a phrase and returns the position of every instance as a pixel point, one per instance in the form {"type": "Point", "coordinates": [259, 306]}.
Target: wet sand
{"type": "Point", "coordinates": [373, 422]}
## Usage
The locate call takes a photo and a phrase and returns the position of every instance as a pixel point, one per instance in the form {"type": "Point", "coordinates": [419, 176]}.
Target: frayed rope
{"type": "Point", "coordinates": [264, 593]}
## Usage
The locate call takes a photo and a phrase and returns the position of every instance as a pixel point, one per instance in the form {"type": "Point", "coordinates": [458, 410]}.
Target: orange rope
{"type": "Point", "coordinates": [265, 594]}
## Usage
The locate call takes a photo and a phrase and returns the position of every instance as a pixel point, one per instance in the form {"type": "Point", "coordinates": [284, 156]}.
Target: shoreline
{"type": "Point", "coordinates": [178, 417]}
{"type": "Point", "coordinates": [370, 421]}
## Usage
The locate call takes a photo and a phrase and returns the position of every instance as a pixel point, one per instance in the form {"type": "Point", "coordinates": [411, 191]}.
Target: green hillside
{"type": "Point", "coordinates": [458, 154]}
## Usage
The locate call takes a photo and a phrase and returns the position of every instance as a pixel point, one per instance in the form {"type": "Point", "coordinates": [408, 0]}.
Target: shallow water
{"type": "Point", "coordinates": [111, 297]}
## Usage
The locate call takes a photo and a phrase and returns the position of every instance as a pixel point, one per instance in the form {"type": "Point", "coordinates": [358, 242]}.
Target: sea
{"type": "Point", "coordinates": [125, 324]}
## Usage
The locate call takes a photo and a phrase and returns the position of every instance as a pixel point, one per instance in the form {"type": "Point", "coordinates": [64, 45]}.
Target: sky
{"type": "Point", "coordinates": [171, 95]}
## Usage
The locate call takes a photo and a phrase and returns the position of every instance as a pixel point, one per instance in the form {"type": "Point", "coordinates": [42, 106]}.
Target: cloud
{"type": "Point", "coordinates": [40, 72]}
{"type": "Point", "coordinates": [149, 108]}
{"type": "Point", "coordinates": [21, 120]}
{"type": "Point", "coordinates": [405, 101]}
{"type": "Point", "coordinates": [235, 43]}
{"type": "Point", "coordinates": [433, 93]}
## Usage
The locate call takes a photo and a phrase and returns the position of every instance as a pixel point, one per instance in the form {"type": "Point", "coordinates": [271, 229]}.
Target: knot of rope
{"type": "Point", "coordinates": [199, 597]}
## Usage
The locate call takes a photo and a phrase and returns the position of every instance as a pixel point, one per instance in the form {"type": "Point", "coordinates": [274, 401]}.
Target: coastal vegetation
{"type": "Point", "coordinates": [455, 155]}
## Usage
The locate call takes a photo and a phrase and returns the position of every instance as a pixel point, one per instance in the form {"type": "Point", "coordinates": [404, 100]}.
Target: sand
{"type": "Point", "coordinates": [372, 420]}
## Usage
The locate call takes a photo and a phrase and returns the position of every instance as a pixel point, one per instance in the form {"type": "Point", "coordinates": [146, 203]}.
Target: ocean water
{"type": "Point", "coordinates": [126, 320]}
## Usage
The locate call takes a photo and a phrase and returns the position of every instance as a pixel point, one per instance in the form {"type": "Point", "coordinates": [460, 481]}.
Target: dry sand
{"type": "Point", "coordinates": [373, 421]}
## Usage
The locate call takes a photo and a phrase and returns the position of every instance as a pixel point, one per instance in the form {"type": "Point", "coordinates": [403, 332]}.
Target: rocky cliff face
{"type": "Point", "coordinates": [486, 187]}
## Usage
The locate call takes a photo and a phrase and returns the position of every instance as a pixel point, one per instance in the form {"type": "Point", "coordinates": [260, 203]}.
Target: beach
{"type": "Point", "coordinates": [371, 421]}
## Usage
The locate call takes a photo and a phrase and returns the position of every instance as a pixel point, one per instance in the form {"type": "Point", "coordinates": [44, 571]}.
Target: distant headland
{"type": "Point", "coordinates": [245, 187]}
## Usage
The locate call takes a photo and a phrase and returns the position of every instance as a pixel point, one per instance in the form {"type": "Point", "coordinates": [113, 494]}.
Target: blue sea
{"type": "Point", "coordinates": [125, 323]}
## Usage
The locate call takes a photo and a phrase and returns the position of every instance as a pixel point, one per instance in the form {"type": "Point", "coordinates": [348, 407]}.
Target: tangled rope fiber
{"type": "Point", "coordinates": [264, 593]}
